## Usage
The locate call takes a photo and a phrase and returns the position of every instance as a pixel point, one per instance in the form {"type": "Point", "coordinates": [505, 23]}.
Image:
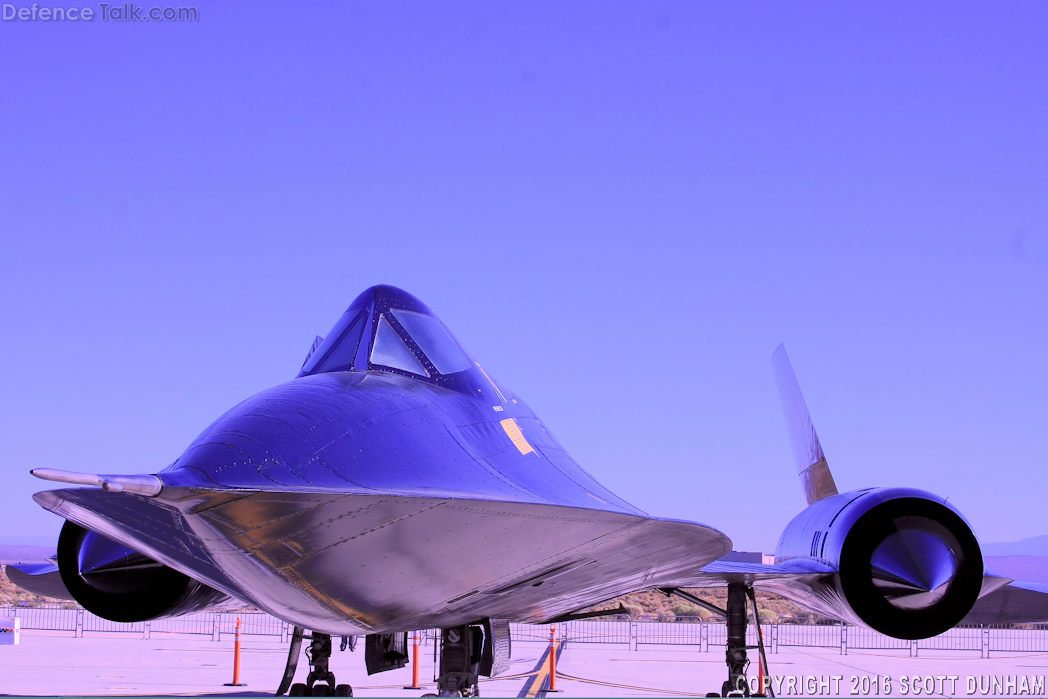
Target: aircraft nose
{"type": "Point", "coordinates": [276, 437]}
{"type": "Point", "coordinates": [341, 432]}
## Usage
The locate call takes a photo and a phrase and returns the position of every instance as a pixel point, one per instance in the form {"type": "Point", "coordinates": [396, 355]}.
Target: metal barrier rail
{"type": "Point", "coordinates": [522, 632]}
{"type": "Point", "coordinates": [49, 618]}
{"type": "Point", "coordinates": [815, 635]}
{"type": "Point", "coordinates": [612, 629]}
{"type": "Point", "coordinates": [959, 638]}
{"type": "Point", "coordinates": [95, 624]}
{"type": "Point", "coordinates": [1033, 638]}
{"type": "Point", "coordinates": [251, 624]}
{"type": "Point", "coordinates": [197, 623]}
{"type": "Point", "coordinates": [868, 639]}
{"type": "Point", "coordinates": [79, 621]}
{"type": "Point", "coordinates": [684, 633]}
{"type": "Point", "coordinates": [621, 630]}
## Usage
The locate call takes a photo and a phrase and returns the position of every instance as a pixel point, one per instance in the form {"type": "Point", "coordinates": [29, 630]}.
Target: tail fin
{"type": "Point", "coordinates": [814, 472]}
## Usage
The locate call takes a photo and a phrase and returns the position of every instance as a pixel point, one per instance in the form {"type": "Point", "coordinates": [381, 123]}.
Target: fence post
{"type": "Point", "coordinates": [145, 632]}
{"type": "Point", "coordinates": [913, 649]}
{"type": "Point", "coordinates": [844, 639]}
{"type": "Point", "coordinates": [633, 635]}
{"type": "Point", "coordinates": [216, 621]}
{"type": "Point", "coordinates": [78, 632]}
{"type": "Point", "coordinates": [984, 631]}
{"type": "Point", "coordinates": [704, 637]}
{"type": "Point", "coordinates": [775, 637]}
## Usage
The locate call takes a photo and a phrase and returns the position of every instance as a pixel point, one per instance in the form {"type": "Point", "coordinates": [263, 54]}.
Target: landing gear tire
{"type": "Point", "coordinates": [321, 681]}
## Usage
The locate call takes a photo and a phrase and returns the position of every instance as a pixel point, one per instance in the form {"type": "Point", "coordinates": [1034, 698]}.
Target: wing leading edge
{"type": "Point", "coordinates": [287, 553]}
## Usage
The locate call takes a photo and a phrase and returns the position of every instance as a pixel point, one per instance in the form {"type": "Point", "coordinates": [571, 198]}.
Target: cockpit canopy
{"type": "Point", "coordinates": [388, 329]}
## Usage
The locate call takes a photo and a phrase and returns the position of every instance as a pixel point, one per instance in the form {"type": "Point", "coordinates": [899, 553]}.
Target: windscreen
{"type": "Point", "coordinates": [387, 328]}
{"type": "Point", "coordinates": [389, 350]}
{"type": "Point", "coordinates": [434, 339]}
{"type": "Point", "coordinates": [341, 357]}
{"type": "Point", "coordinates": [335, 339]}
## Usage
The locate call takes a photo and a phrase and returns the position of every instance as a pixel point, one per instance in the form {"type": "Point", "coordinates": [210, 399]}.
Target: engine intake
{"type": "Point", "coordinates": [120, 584]}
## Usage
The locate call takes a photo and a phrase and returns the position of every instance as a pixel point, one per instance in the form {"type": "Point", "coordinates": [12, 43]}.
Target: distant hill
{"type": "Point", "coordinates": [1034, 546]}
{"type": "Point", "coordinates": [1024, 568]}
{"type": "Point", "coordinates": [13, 554]}
{"type": "Point", "coordinates": [35, 540]}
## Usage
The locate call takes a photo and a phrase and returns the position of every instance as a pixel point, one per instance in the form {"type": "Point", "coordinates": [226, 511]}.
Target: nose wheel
{"type": "Point", "coordinates": [320, 682]}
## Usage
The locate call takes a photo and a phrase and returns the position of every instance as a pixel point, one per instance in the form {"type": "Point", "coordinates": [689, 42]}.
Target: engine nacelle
{"type": "Point", "coordinates": [120, 584]}
{"type": "Point", "coordinates": [908, 563]}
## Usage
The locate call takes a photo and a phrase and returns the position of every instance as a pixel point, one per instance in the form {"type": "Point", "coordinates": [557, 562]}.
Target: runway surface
{"type": "Point", "coordinates": [55, 663]}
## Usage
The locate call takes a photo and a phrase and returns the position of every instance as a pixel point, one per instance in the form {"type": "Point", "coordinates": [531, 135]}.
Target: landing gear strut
{"type": "Point", "coordinates": [461, 649]}
{"type": "Point", "coordinates": [735, 653]}
{"type": "Point", "coordinates": [320, 682]}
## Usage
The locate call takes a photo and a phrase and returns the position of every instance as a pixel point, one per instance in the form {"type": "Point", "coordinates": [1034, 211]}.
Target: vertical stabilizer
{"type": "Point", "coordinates": [814, 472]}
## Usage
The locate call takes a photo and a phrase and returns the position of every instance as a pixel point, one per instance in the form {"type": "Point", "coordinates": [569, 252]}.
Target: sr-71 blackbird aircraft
{"type": "Point", "coordinates": [395, 485]}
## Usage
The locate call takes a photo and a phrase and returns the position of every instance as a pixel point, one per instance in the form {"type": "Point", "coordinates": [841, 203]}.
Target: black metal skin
{"type": "Point", "coordinates": [372, 500]}
{"type": "Point", "coordinates": [364, 498]}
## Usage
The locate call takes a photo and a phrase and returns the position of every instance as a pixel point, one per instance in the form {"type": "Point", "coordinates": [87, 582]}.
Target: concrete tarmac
{"type": "Point", "coordinates": [50, 663]}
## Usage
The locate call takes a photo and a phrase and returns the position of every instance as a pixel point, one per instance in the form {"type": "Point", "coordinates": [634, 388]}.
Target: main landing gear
{"type": "Point", "coordinates": [461, 651]}
{"type": "Point", "coordinates": [320, 682]}
{"type": "Point", "coordinates": [735, 656]}
{"type": "Point", "coordinates": [735, 653]}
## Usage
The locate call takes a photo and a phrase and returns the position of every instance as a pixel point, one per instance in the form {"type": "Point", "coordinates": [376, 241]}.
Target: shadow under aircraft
{"type": "Point", "coordinates": [395, 485]}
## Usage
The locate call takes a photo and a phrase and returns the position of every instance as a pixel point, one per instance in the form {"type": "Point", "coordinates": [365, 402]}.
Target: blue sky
{"type": "Point", "coordinates": [619, 208]}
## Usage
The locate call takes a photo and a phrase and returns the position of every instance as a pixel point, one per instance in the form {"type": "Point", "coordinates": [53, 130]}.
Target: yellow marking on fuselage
{"type": "Point", "coordinates": [510, 425]}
